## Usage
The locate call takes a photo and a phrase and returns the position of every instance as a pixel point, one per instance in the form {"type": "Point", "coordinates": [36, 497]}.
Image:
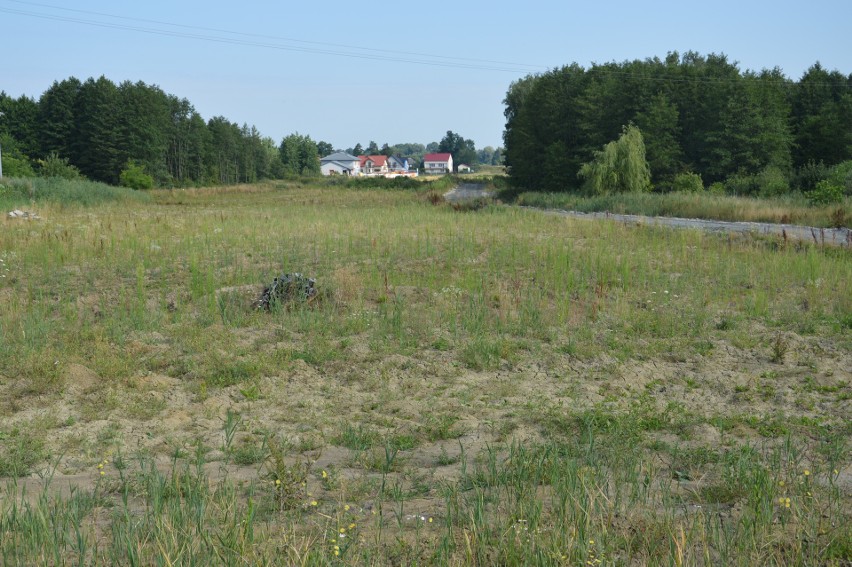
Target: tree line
{"type": "Point", "coordinates": [699, 116]}
{"type": "Point", "coordinates": [134, 133]}
{"type": "Point", "coordinates": [108, 132]}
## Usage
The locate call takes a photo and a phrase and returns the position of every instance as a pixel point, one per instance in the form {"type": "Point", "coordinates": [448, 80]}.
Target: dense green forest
{"type": "Point", "coordinates": [746, 132]}
{"type": "Point", "coordinates": [132, 131]}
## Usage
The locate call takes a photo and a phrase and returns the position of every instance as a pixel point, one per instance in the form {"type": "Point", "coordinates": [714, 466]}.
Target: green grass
{"type": "Point", "coordinates": [54, 190]}
{"type": "Point", "coordinates": [787, 210]}
{"type": "Point", "coordinates": [484, 387]}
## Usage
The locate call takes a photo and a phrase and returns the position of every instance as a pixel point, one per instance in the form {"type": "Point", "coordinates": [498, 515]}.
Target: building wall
{"type": "Point", "coordinates": [327, 168]}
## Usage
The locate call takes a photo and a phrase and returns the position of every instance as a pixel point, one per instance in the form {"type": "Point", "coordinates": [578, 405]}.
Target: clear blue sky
{"type": "Point", "coordinates": [348, 72]}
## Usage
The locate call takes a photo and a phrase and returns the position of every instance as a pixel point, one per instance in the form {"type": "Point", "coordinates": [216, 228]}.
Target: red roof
{"type": "Point", "coordinates": [378, 161]}
{"type": "Point", "coordinates": [437, 157]}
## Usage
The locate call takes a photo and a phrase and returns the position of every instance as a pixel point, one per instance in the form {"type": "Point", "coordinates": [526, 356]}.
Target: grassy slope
{"type": "Point", "coordinates": [489, 387]}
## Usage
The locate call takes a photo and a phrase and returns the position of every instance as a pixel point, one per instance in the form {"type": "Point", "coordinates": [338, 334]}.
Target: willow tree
{"type": "Point", "coordinates": [620, 167]}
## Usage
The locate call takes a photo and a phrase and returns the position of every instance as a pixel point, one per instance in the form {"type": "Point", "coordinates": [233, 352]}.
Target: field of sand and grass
{"type": "Point", "coordinates": [492, 386]}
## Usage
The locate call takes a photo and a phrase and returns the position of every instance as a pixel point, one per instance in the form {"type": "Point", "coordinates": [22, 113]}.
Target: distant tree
{"type": "Point", "coordinates": [222, 152]}
{"type": "Point", "coordinates": [754, 131]}
{"type": "Point", "coordinates": [20, 121]}
{"type": "Point", "coordinates": [822, 117]}
{"type": "Point", "coordinates": [462, 150]}
{"type": "Point", "coordinates": [357, 150]}
{"type": "Point", "coordinates": [386, 150]}
{"type": "Point", "coordinates": [620, 167]}
{"type": "Point", "coordinates": [56, 117]}
{"type": "Point", "coordinates": [372, 149]}
{"type": "Point", "coordinates": [188, 139]}
{"type": "Point", "coordinates": [95, 142]}
{"type": "Point", "coordinates": [143, 127]}
{"type": "Point", "coordinates": [658, 123]}
{"type": "Point", "coordinates": [485, 155]}
{"type": "Point", "coordinates": [324, 149]}
{"type": "Point", "coordinates": [299, 155]}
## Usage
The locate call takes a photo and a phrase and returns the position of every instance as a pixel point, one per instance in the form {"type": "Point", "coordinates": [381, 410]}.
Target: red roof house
{"type": "Point", "coordinates": [436, 164]}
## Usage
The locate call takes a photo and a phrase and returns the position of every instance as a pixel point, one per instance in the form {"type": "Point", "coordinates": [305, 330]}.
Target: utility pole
{"type": "Point", "coordinates": [1, 154]}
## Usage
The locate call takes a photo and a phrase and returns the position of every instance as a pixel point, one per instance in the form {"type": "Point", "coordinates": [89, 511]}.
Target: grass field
{"type": "Point", "coordinates": [491, 387]}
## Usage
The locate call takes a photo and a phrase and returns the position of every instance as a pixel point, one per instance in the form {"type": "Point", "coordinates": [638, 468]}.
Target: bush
{"type": "Point", "coordinates": [55, 166]}
{"type": "Point", "coordinates": [134, 176]}
{"type": "Point", "coordinates": [809, 175]}
{"type": "Point", "coordinates": [826, 193]}
{"type": "Point", "coordinates": [741, 184]}
{"type": "Point", "coordinates": [841, 176]}
{"type": "Point", "coordinates": [16, 167]}
{"type": "Point", "coordinates": [772, 182]}
{"type": "Point", "coordinates": [716, 188]}
{"type": "Point", "coordinates": [688, 183]}
{"type": "Point", "coordinates": [17, 189]}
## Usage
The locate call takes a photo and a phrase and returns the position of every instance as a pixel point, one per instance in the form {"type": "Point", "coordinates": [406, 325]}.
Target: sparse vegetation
{"type": "Point", "coordinates": [789, 209]}
{"type": "Point", "coordinates": [495, 387]}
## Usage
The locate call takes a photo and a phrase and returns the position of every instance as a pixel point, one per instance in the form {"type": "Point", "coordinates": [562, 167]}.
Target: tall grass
{"type": "Point", "coordinates": [20, 192]}
{"type": "Point", "coordinates": [791, 209]}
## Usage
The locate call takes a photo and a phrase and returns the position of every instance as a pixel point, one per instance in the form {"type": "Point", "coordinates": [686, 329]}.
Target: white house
{"type": "Point", "coordinates": [340, 163]}
{"type": "Point", "coordinates": [437, 164]}
{"type": "Point", "coordinates": [374, 165]}
{"type": "Point", "coordinates": [465, 168]}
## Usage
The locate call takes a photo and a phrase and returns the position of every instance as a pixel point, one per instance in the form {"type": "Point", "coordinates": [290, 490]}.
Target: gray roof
{"type": "Point", "coordinates": [339, 164]}
{"type": "Point", "coordinates": [340, 156]}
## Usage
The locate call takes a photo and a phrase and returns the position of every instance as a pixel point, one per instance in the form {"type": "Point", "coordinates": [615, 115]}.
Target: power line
{"type": "Point", "coordinates": [281, 38]}
{"type": "Point", "coordinates": [335, 49]}
{"type": "Point", "coordinates": [393, 56]}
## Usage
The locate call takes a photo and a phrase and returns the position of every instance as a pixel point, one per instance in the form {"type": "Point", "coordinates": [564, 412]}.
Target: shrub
{"type": "Point", "coordinates": [17, 189]}
{"type": "Point", "coordinates": [772, 182]}
{"type": "Point", "coordinates": [716, 188]}
{"type": "Point", "coordinates": [741, 184]}
{"type": "Point", "coordinates": [688, 183]}
{"type": "Point", "coordinates": [809, 175]}
{"type": "Point", "coordinates": [16, 167]}
{"type": "Point", "coordinates": [134, 176]}
{"type": "Point", "coordinates": [826, 193]}
{"type": "Point", "coordinates": [841, 175]}
{"type": "Point", "coordinates": [55, 166]}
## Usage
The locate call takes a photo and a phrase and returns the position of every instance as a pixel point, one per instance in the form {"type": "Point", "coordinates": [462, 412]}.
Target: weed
{"type": "Point", "coordinates": [288, 479]}
{"type": "Point", "coordinates": [780, 346]}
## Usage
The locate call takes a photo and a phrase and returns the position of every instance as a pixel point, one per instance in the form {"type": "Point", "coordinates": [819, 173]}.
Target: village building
{"type": "Point", "coordinates": [437, 164]}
